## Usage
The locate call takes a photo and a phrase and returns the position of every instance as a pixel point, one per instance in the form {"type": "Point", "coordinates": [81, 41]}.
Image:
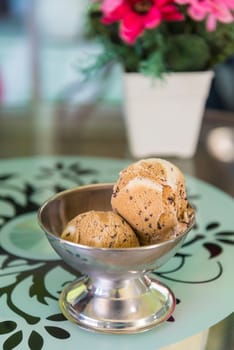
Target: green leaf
{"type": "Point", "coordinates": [172, 46]}
{"type": "Point", "coordinates": [35, 341]}
{"type": "Point", "coordinates": [57, 332]}
{"type": "Point", "coordinates": [187, 53]}
{"type": "Point", "coordinates": [7, 327]}
{"type": "Point", "coordinates": [57, 317]}
{"type": "Point", "coordinates": [13, 341]}
{"type": "Point", "coordinates": [154, 65]}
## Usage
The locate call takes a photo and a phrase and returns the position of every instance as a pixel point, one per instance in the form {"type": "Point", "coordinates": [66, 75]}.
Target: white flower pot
{"type": "Point", "coordinates": [163, 117]}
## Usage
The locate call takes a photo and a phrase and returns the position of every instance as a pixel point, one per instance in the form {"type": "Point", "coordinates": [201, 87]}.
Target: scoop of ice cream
{"type": "Point", "coordinates": [103, 229]}
{"type": "Point", "coordinates": [151, 196]}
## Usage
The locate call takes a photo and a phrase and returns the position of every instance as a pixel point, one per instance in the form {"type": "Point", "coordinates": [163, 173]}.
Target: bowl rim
{"type": "Point", "coordinates": [103, 249]}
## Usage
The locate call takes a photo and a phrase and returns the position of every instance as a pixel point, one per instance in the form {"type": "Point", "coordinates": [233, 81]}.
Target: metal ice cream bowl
{"type": "Point", "coordinates": [116, 293]}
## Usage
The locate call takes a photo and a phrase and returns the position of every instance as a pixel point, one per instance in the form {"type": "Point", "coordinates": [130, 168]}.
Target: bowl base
{"type": "Point", "coordinates": [122, 306]}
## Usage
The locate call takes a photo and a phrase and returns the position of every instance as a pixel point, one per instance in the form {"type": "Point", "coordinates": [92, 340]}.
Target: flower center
{"type": "Point", "coordinates": [142, 6]}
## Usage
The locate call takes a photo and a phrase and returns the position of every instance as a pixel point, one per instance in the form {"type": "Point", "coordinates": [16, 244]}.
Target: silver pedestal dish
{"type": "Point", "coordinates": [116, 293]}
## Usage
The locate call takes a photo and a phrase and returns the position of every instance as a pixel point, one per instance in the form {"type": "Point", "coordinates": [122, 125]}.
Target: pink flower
{"type": "Point", "coordinates": [137, 15]}
{"type": "Point", "coordinates": [212, 11]}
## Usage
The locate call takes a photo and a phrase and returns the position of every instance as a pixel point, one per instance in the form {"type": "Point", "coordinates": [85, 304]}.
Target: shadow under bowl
{"type": "Point", "coordinates": [115, 293]}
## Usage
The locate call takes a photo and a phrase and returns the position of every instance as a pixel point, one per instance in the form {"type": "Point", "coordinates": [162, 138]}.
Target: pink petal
{"type": "Point", "coordinates": [211, 23]}
{"type": "Point", "coordinates": [153, 18]}
{"type": "Point", "coordinates": [182, 2]}
{"type": "Point", "coordinates": [131, 28]}
{"type": "Point", "coordinates": [113, 12]}
{"type": "Point", "coordinates": [226, 3]}
{"type": "Point", "coordinates": [108, 6]}
{"type": "Point", "coordinates": [161, 3]}
{"type": "Point", "coordinates": [222, 14]}
{"type": "Point", "coordinates": [171, 13]}
{"type": "Point", "coordinates": [230, 4]}
{"type": "Point", "coordinates": [196, 13]}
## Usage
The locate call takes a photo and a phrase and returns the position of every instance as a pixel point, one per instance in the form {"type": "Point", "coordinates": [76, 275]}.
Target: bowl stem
{"type": "Point", "coordinates": [117, 306]}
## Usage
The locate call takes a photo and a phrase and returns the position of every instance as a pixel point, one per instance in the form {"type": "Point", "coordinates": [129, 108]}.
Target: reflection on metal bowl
{"type": "Point", "coordinates": [116, 293]}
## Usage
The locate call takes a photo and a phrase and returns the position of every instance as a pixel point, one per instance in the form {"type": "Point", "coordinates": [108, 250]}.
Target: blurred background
{"type": "Point", "coordinates": [41, 43]}
{"type": "Point", "coordinates": [41, 46]}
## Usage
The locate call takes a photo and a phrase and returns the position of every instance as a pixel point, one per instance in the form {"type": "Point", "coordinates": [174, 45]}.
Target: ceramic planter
{"type": "Point", "coordinates": [163, 117]}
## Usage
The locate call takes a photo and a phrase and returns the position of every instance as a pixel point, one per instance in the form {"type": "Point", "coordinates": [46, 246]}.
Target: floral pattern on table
{"type": "Point", "coordinates": [32, 275]}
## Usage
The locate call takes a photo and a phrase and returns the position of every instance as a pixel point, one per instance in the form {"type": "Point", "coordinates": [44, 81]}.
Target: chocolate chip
{"type": "Point", "coordinates": [171, 200]}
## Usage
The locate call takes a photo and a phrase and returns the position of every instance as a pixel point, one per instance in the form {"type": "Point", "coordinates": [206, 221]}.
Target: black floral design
{"type": "Point", "coordinates": [21, 198]}
{"type": "Point", "coordinates": [20, 195]}
{"type": "Point", "coordinates": [213, 246]}
{"type": "Point", "coordinates": [37, 270]}
{"type": "Point", "coordinates": [73, 172]}
{"type": "Point", "coordinates": [48, 179]}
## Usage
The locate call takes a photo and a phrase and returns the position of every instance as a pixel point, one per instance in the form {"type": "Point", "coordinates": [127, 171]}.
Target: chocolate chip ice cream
{"type": "Point", "coordinates": [151, 196]}
{"type": "Point", "coordinates": [102, 229]}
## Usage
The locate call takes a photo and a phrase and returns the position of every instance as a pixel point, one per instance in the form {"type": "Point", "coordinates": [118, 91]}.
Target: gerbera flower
{"type": "Point", "coordinates": [137, 15]}
{"type": "Point", "coordinates": [212, 11]}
